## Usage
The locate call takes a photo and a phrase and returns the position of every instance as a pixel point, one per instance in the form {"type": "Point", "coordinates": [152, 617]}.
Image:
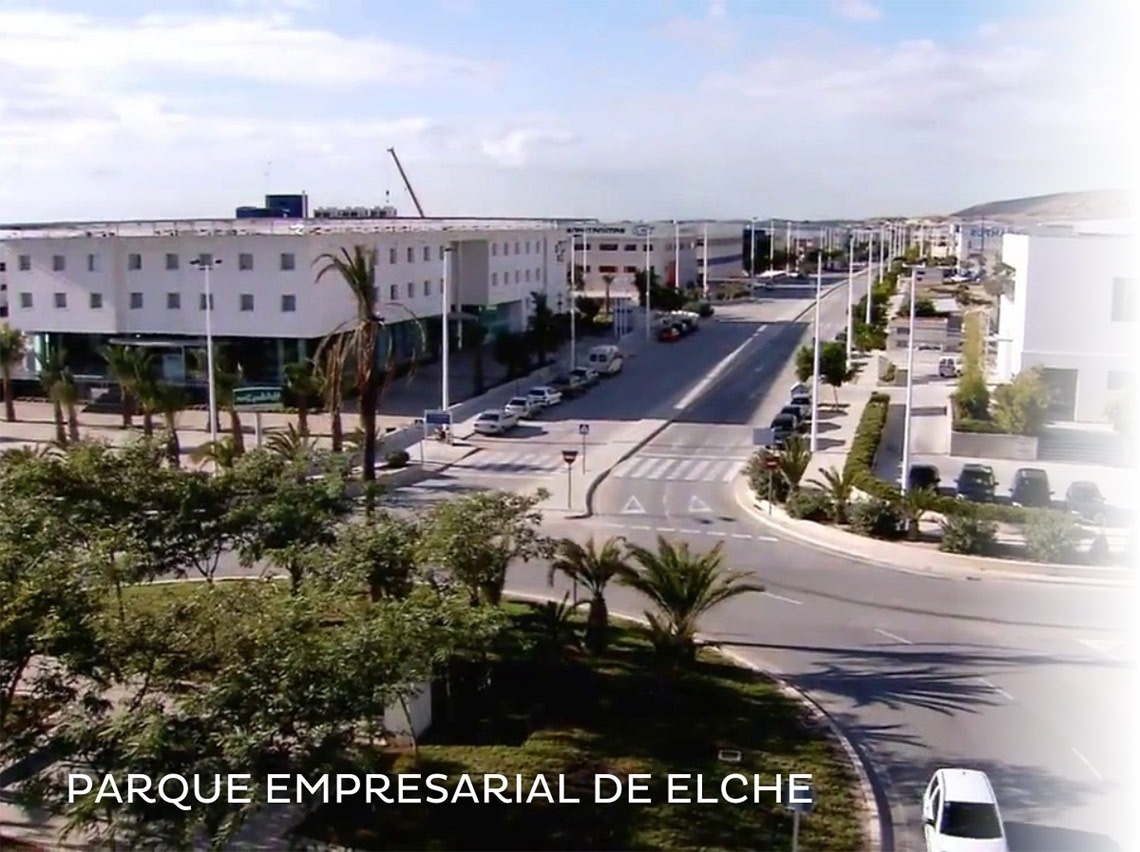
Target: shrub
{"type": "Point", "coordinates": [761, 479]}
{"type": "Point", "coordinates": [1051, 537]}
{"type": "Point", "coordinates": [876, 517]}
{"type": "Point", "coordinates": [865, 443]}
{"type": "Point", "coordinates": [810, 504]}
{"type": "Point", "coordinates": [1021, 406]}
{"type": "Point", "coordinates": [398, 459]}
{"type": "Point", "coordinates": [890, 373]}
{"type": "Point", "coordinates": [972, 399]}
{"type": "Point", "coordinates": [969, 535]}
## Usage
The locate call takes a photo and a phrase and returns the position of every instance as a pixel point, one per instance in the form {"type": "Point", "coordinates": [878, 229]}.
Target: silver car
{"type": "Point", "coordinates": [544, 396]}
{"type": "Point", "coordinates": [522, 406]}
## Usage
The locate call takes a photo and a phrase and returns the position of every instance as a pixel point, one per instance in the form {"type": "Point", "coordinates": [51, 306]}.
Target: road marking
{"type": "Point", "coordinates": [1086, 762]}
{"type": "Point", "coordinates": [1104, 647]}
{"type": "Point", "coordinates": [697, 470]}
{"type": "Point", "coordinates": [718, 534]}
{"type": "Point", "coordinates": [633, 507]}
{"type": "Point", "coordinates": [732, 471]}
{"type": "Point", "coordinates": [697, 505]}
{"type": "Point", "coordinates": [641, 527]}
{"type": "Point", "coordinates": [691, 532]}
{"type": "Point", "coordinates": [666, 529]}
{"type": "Point", "coordinates": [659, 469]}
{"type": "Point", "coordinates": [783, 599]}
{"type": "Point", "coordinates": [691, 397]}
{"type": "Point", "coordinates": [995, 688]}
{"type": "Point", "coordinates": [741, 535]}
{"type": "Point", "coordinates": [894, 637]}
{"type": "Point", "coordinates": [765, 538]}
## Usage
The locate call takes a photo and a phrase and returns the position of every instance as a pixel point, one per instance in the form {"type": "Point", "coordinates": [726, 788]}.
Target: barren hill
{"type": "Point", "coordinates": [1098, 204]}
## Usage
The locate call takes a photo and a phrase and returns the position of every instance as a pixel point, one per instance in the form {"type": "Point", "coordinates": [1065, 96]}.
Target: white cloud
{"type": "Point", "coordinates": [858, 10]}
{"type": "Point", "coordinates": [709, 31]}
{"type": "Point", "coordinates": [517, 146]}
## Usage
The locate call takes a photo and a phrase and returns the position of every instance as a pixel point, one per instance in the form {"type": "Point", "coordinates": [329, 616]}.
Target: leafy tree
{"type": "Point", "coordinates": [588, 308]}
{"type": "Point", "coordinates": [543, 332]}
{"type": "Point", "coordinates": [1121, 412]}
{"type": "Point", "coordinates": [149, 390]}
{"type": "Point", "coordinates": [833, 367]}
{"type": "Point", "coordinates": [1021, 407]}
{"type": "Point", "coordinates": [383, 553]}
{"type": "Point", "coordinates": [794, 461]}
{"type": "Point", "coordinates": [1051, 537]}
{"type": "Point", "coordinates": [683, 587]}
{"type": "Point", "coordinates": [476, 340]}
{"type": "Point", "coordinates": [121, 364]}
{"type": "Point", "coordinates": [222, 454]}
{"type": "Point", "coordinates": [227, 378]}
{"type": "Point", "coordinates": [57, 382]}
{"type": "Point", "coordinates": [594, 569]}
{"type": "Point", "coordinates": [838, 485]}
{"type": "Point", "coordinates": [290, 444]}
{"type": "Point", "coordinates": [476, 537]}
{"type": "Point", "coordinates": [805, 363]}
{"type": "Point", "coordinates": [330, 362]}
{"type": "Point", "coordinates": [608, 283]}
{"type": "Point", "coordinates": [13, 347]}
{"type": "Point", "coordinates": [513, 350]}
{"type": "Point", "coordinates": [169, 401]}
{"type": "Point", "coordinates": [302, 384]}
{"type": "Point", "coordinates": [914, 505]}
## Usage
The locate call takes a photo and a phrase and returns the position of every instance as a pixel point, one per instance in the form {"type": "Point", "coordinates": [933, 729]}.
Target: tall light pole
{"type": "Point", "coordinates": [772, 244]}
{"type": "Point", "coordinates": [676, 254]}
{"type": "Point", "coordinates": [648, 285]}
{"type": "Point", "coordinates": [788, 247]}
{"type": "Point", "coordinates": [206, 263]}
{"type": "Point", "coordinates": [445, 324]}
{"type": "Point", "coordinates": [752, 253]}
{"type": "Point", "coordinates": [909, 390]}
{"type": "Point", "coordinates": [573, 307]}
{"type": "Point", "coordinates": [870, 274]}
{"type": "Point", "coordinates": [705, 275]}
{"type": "Point", "coordinates": [850, 295]}
{"type": "Point", "coordinates": [815, 357]}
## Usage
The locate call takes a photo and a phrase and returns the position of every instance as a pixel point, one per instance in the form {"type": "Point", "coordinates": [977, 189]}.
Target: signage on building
{"type": "Point", "coordinates": [613, 230]}
{"type": "Point", "coordinates": [986, 232]}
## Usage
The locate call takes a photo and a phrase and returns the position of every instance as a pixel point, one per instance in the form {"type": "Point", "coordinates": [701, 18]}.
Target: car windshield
{"type": "Point", "coordinates": [979, 477]}
{"type": "Point", "coordinates": [518, 400]}
{"type": "Point", "coordinates": [489, 415]}
{"type": "Point", "coordinates": [924, 475]}
{"type": "Point", "coordinates": [782, 422]}
{"type": "Point", "coordinates": [973, 820]}
{"type": "Point", "coordinates": [1084, 491]}
{"type": "Point", "coordinates": [537, 392]}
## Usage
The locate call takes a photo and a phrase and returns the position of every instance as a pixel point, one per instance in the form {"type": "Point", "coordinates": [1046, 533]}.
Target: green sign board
{"type": "Point", "coordinates": [267, 398]}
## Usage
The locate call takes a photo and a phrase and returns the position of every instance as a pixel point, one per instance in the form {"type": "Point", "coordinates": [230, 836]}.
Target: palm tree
{"type": "Point", "coordinates": [53, 375]}
{"type": "Point", "coordinates": [222, 453]}
{"type": "Point", "coordinates": [608, 282]}
{"type": "Point", "coordinates": [290, 444]}
{"type": "Point", "coordinates": [302, 383]}
{"type": "Point", "coordinates": [13, 347]}
{"type": "Point", "coordinates": [794, 461]}
{"type": "Point", "coordinates": [169, 400]}
{"type": "Point", "coordinates": [838, 485]}
{"type": "Point", "coordinates": [915, 504]}
{"type": "Point", "coordinates": [121, 363]}
{"type": "Point", "coordinates": [145, 383]}
{"type": "Point", "coordinates": [227, 378]}
{"type": "Point", "coordinates": [330, 378]}
{"type": "Point", "coordinates": [683, 587]}
{"type": "Point", "coordinates": [477, 338]}
{"type": "Point", "coordinates": [592, 568]}
{"type": "Point", "coordinates": [541, 325]}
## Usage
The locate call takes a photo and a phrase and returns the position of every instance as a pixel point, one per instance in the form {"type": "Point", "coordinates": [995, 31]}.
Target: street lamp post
{"type": "Point", "coordinates": [206, 263]}
{"type": "Point", "coordinates": [573, 306]}
{"type": "Point", "coordinates": [752, 253]}
{"type": "Point", "coordinates": [909, 390]}
{"type": "Point", "coordinates": [815, 357]}
{"type": "Point", "coordinates": [788, 247]}
{"type": "Point", "coordinates": [850, 295]}
{"type": "Point", "coordinates": [705, 273]}
{"type": "Point", "coordinates": [676, 254]}
{"type": "Point", "coordinates": [445, 339]}
{"type": "Point", "coordinates": [870, 274]}
{"type": "Point", "coordinates": [772, 244]}
{"type": "Point", "coordinates": [648, 283]}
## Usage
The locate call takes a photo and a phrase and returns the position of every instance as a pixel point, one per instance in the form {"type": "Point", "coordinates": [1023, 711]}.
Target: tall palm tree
{"type": "Point", "coordinates": [121, 363]}
{"type": "Point", "coordinates": [13, 348]}
{"type": "Point", "coordinates": [593, 568]}
{"type": "Point", "coordinates": [541, 325]}
{"type": "Point", "coordinates": [683, 587]}
{"type": "Point", "coordinates": [302, 383]}
{"type": "Point", "coordinates": [330, 378]}
{"type": "Point", "coordinates": [53, 374]}
{"type": "Point", "coordinates": [367, 348]}
{"type": "Point", "coordinates": [227, 378]}
{"type": "Point", "coordinates": [608, 282]}
{"type": "Point", "coordinates": [170, 400]}
{"type": "Point", "coordinates": [838, 485]}
{"type": "Point", "coordinates": [146, 383]}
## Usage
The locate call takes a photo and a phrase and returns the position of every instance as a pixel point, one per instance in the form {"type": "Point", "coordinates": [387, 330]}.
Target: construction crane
{"type": "Point", "coordinates": [407, 183]}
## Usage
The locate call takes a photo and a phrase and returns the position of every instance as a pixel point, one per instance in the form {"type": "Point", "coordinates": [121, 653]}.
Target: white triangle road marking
{"type": "Point", "coordinates": [697, 505]}
{"type": "Point", "coordinates": [633, 507]}
{"type": "Point", "coordinates": [1104, 647]}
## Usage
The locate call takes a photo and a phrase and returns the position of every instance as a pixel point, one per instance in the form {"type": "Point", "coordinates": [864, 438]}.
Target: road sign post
{"type": "Point", "coordinates": [798, 805]}
{"type": "Point", "coordinates": [583, 430]}
{"type": "Point", "coordinates": [569, 456]}
{"type": "Point", "coordinates": [772, 465]}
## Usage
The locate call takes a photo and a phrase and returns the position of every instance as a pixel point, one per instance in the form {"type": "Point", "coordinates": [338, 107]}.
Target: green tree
{"type": "Point", "coordinates": [13, 348]}
{"type": "Point", "coordinates": [592, 568]}
{"type": "Point", "coordinates": [916, 504]}
{"type": "Point", "coordinates": [1121, 412]}
{"type": "Point", "coordinates": [475, 538]}
{"type": "Point", "coordinates": [121, 364]}
{"type": "Point", "coordinates": [542, 327]}
{"type": "Point", "coordinates": [59, 385]}
{"type": "Point", "coordinates": [476, 341]}
{"type": "Point", "coordinates": [838, 485]}
{"type": "Point", "coordinates": [1021, 407]}
{"type": "Point", "coordinates": [805, 363]}
{"type": "Point", "coordinates": [148, 388]}
{"type": "Point", "coordinates": [330, 362]}
{"type": "Point", "coordinates": [169, 400]}
{"type": "Point", "coordinates": [683, 587]}
{"type": "Point", "coordinates": [794, 461]}
{"type": "Point", "coordinates": [833, 367]}
{"type": "Point", "coordinates": [301, 385]}
{"type": "Point", "coordinates": [384, 554]}
{"type": "Point", "coordinates": [290, 444]}
{"type": "Point", "coordinates": [588, 308]}
{"type": "Point", "coordinates": [227, 378]}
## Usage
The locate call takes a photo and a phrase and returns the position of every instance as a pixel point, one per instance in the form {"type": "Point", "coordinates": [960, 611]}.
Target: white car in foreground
{"type": "Point", "coordinates": [960, 813]}
{"type": "Point", "coordinates": [544, 396]}
{"type": "Point", "coordinates": [495, 422]}
{"type": "Point", "coordinates": [521, 406]}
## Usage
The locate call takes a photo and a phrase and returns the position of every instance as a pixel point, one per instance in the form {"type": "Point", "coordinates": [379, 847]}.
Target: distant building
{"type": "Point", "coordinates": [1073, 309]}
{"type": "Point", "coordinates": [277, 207]}
{"type": "Point", "coordinates": [979, 242]}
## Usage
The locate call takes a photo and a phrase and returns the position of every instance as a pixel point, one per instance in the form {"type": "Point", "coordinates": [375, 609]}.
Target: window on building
{"type": "Point", "coordinates": [631, 246]}
{"type": "Point", "coordinates": [171, 261]}
{"type": "Point", "coordinates": [607, 270]}
{"type": "Point", "coordinates": [442, 252]}
{"type": "Point", "coordinates": [136, 301]}
{"type": "Point", "coordinates": [25, 263]}
{"type": "Point", "coordinates": [1125, 301]}
{"type": "Point", "coordinates": [3, 266]}
{"type": "Point", "coordinates": [205, 259]}
{"type": "Point", "coordinates": [393, 255]}
{"type": "Point", "coordinates": [93, 263]}
{"type": "Point", "coordinates": [494, 249]}
{"type": "Point", "coordinates": [517, 276]}
{"type": "Point", "coordinates": [506, 249]}
{"type": "Point", "coordinates": [528, 246]}
{"type": "Point", "coordinates": [411, 289]}
{"type": "Point", "coordinates": [288, 261]}
{"type": "Point", "coordinates": [608, 247]}
{"type": "Point", "coordinates": [134, 262]}
{"type": "Point", "coordinates": [632, 270]}
{"type": "Point", "coordinates": [58, 263]}
{"type": "Point", "coordinates": [527, 276]}
{"type": "Point", "coordinates": [174, 301]}
{"type": "Point", "coordinates": [25, 300]}
{"type": "Point", "coordinates": [411, 253]}
{"type": "Point", "coordinates": [60, 300]}
{"type": "Point", "coordinates": [288, 303]}
{"type": "Point", "coordinates": [538, 274]}
{"type": "Point", "coordinates": [427, 254]}
{"type": "Point", "coordinates": [96, 301]}
{"type": "Point", "coordinates": [427, 288]}
{"type": "Point", "coordinates": [393, 292]}
{"type": "Point", "coordinates": [494, 279]}
{"type": "Point", "coordinates": [1119, 380]}
{"type": "Point", "coordinates": [245, 262]}
{"type": "Point", "coordinates": [245, 302]}
{"type": "Point", "coordinates": [202, 301]}
{"type": "Point", "coordinates": [517, 252]}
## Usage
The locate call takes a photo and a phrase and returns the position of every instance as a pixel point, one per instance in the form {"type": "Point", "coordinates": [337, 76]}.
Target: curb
{"type": "Point", "coordinates": [669, 421]}
{"type": "Point", "coordinates": [969, 570]}
{"type": "Point", "coordinates": [874, 827]}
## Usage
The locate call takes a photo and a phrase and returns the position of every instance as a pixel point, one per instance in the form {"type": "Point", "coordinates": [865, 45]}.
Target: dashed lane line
{"type": "Point", "coordinates": [782, 599]}
{"type": "Point", "coordinates": [894, 637]}
{"type": "Point", "coordinates": [685, 531]}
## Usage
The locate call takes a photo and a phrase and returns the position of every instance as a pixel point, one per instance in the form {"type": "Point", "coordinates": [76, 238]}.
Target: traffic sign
{"type": "Point", "coordinates": [257, 398]}
{"type": "Point", "coordinates": [762, 437]}
{"type": "Point", "coordinates": [583, 429]}
{"type": "Point", "coordinates": [437, 418]}
{"type": "Point", "coordinates": [798, 798]}
{"type": "Point", "coordinates": [569, 456]}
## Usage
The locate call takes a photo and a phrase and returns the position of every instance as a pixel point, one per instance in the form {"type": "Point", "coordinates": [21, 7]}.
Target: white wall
{"type": "Point", "coordinates": [517, 263]}
{"type": "Point", "coordinates": [1061, 313]}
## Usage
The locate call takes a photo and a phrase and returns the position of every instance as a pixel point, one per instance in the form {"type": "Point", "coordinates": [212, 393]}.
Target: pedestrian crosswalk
{"type": "Point", "coordinates": [687, 468]}
{"type": "Point", "coordinates": [508, 463]}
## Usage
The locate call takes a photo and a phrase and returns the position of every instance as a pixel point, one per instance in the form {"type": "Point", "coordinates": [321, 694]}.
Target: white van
{"type": "Point", "coordinates": [949, 367]}
{"type": "Point", "coordinates": [605, 360]}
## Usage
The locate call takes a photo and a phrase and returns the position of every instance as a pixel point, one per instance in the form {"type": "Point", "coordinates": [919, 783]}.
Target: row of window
{"type": "Point", "coordinates": [579, 246]}
{"type": "Point", "coordinates": [287, 260]}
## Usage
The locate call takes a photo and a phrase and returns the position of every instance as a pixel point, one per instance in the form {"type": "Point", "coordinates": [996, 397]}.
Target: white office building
{"type": "Point", "coordinates": [82, 286]}
{"type": "Point", "coordinates": [617, 251]}
{"type": "Point", "coordinates": [1074, 310]}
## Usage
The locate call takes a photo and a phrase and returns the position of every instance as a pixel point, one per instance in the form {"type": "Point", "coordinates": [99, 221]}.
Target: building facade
{"type": "Point", "coordinates": [1073, 310]}
{"type": "Point", "coordinates": [979, 242]}
{"type": "Point", "coordinates": [82, 287]}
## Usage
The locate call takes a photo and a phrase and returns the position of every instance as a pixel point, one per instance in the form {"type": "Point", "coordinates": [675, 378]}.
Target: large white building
{"type": "Point", "coordinates": [83, 286]}
{"type": "Point", "coordinates": [618, 249]}
{"type": "Point", "coordinates": [1074, 310]}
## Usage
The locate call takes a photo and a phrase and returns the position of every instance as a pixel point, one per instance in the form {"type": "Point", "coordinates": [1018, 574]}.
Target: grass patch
{"type": "Point", "coordinates": [533, 709]}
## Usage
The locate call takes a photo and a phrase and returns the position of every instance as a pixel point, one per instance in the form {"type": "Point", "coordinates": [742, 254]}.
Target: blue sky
{"type": "Point", "coordinates": [608, 108]}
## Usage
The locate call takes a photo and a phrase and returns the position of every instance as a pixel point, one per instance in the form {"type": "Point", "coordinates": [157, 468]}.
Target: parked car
{"type": "Point", "coordinates": [923, 476]}
{"type": "Point", "coordinates": [544, 396]}
{"type": "Point", "coordinates": [1084, 500]}
{"type": "Point", "coordinates": [522, 406]}
{"type": "Point", "coordinates": [585, 375]}
{"type": "Point", "coordinates": [607, 360]}
{"type": "Point", "coordinates": [960, 813]}
{"type": "Point", "coordinates": [783, 427]}
{"type": "Point", "coordinates": [794, 412]}
{"type": "Point", "coordinates": [668, 334]}
{"type": "Point", "coordinates": [976, 483]}
{"type": "Point", "coordinates": [949, 367]}
{"type": "Point", "coordinates": [495, 422]}
{"type": "Point", "coordinates": [802, 402]}
{"type": "Point", "coordinates": [567, 385]}
{"type": "Point", "coordinates": [1031, 488]}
